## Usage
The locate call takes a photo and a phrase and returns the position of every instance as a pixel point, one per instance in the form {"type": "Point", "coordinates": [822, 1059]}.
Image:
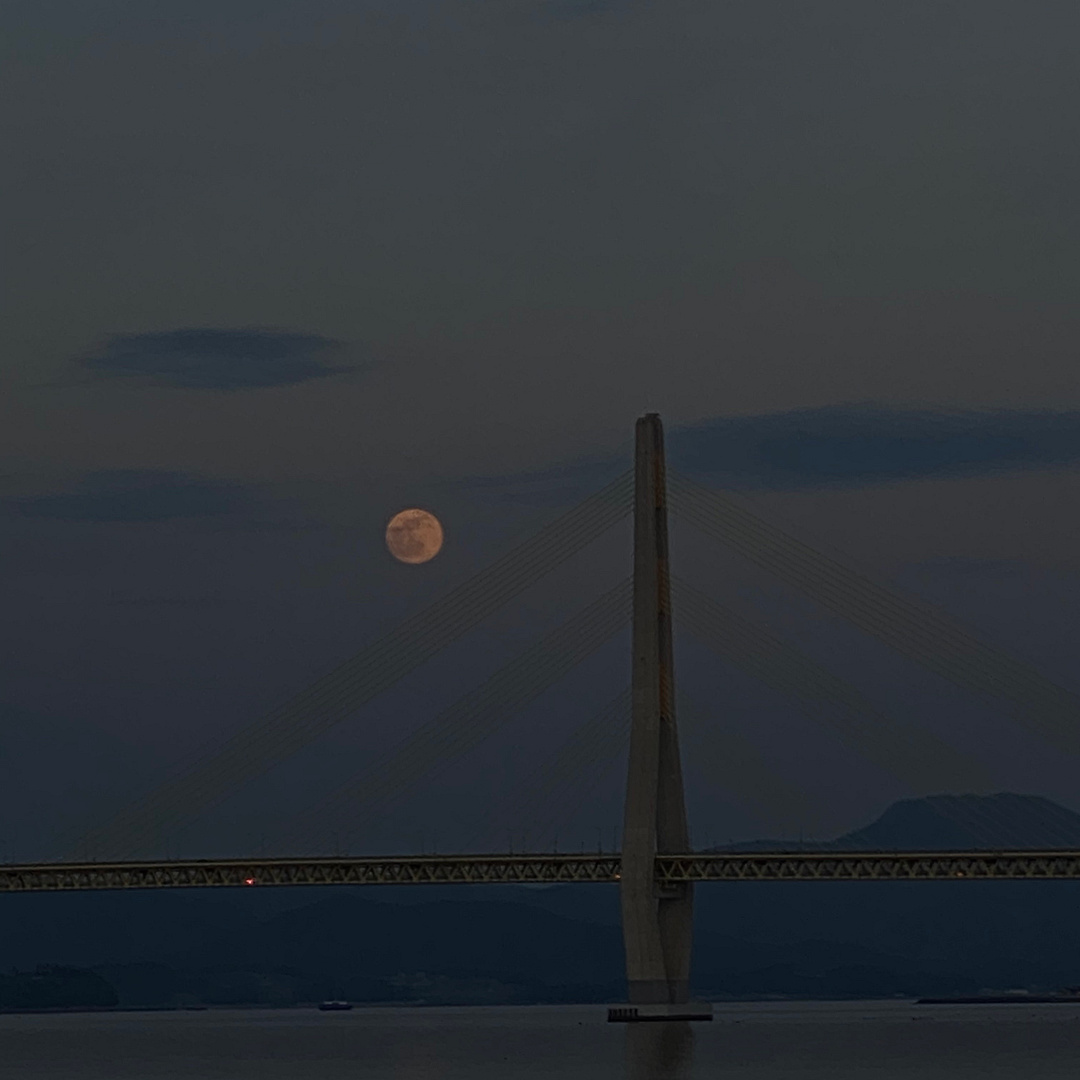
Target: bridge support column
{"type": "Point", "coordinates": [657, 925]}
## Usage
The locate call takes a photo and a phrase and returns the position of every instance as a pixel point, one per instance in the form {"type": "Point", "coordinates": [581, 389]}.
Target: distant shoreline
{"type": "Point", "coordinates": [719, 1002]}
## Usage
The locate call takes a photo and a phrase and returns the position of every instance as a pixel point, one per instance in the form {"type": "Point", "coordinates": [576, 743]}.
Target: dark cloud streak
{"type": "Point", "coordinates": [853, 445]}
{"type": "Point", "coordinates": [206, 358]}
{"type": "Point", "coordinates": [838, 446]}
{"type": "Point", "coordinates": [136, 495]}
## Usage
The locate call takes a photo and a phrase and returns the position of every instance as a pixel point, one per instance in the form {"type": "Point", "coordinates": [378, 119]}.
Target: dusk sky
{"type": "Point", "coordinates": [274, 271]}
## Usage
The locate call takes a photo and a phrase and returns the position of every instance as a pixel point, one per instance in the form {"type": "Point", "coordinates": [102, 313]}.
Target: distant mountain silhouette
{"type": "Point", "coordinates": [951, 822]}
{"type": "Point", "coordinates": [944, 822]}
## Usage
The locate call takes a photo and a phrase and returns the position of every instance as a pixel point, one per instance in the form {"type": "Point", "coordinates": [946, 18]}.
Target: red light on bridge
{"type": "Point", "coordinates": [249, 881]}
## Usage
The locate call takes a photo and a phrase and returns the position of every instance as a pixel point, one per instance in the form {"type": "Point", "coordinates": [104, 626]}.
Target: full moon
{"type": "Point", "coordinates": [414, 536]}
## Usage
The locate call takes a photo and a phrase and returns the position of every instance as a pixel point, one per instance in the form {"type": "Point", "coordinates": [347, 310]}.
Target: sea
{"type": "Point", "coordinates": [747, 1041]}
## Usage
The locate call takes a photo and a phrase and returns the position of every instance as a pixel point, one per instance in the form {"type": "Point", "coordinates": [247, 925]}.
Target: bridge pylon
{"type": "Point", "coordinates": [657, 920]}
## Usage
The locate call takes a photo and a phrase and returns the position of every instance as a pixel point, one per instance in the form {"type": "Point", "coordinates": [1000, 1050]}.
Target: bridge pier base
{"type": "Point", "coordinates": [657, 925]}
{"type": "Point", "coordinates": [636, 1014]}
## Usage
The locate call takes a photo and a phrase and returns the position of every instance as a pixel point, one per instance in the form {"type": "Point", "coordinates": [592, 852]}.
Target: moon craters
{"type": "Point", "coordinates": [414, 536]}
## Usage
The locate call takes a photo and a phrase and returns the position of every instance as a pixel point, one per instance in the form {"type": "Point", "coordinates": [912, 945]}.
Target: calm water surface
{"type": "Point", "coordinates": [746, 1041]}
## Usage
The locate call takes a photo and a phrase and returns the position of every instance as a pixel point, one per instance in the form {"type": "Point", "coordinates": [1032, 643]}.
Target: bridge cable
{"type": "Point", "coordinates": [776, 562]}
{"type": "Point", "coordinates": [913, 628]}
{"type": "Point", "coordinates": [905, 751]}
{"type": "Point", "coordinates": [215, 774]}
{"type": "Point", "coordinates": [993, 827]}
{"type": "Point", "coordinates": [808, 584]}
{"type": "Point", "coordinates": [736, 766]}
{"type": "Point", "coordinates": [564, 779]}
{"type": "Point", "coordinates": [436, 745]}
{"type": "Point", "coordinates": [909, 752]}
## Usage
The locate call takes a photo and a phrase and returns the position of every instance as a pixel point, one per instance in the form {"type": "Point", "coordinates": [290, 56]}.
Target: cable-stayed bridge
{"type": "Point", "coordinates": [656, 868]}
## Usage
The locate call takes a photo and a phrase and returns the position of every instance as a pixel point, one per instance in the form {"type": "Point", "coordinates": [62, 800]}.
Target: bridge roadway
{"type": "Point", "coordinates": [542, 869]}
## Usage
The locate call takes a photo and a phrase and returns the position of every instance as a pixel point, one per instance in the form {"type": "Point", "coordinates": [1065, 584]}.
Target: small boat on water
{"type": "Point", "coordinates": [335, 1006]}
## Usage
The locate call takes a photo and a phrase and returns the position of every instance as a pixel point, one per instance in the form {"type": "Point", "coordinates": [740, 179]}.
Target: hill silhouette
{"type": "Point", "coordinates": [951, 823]}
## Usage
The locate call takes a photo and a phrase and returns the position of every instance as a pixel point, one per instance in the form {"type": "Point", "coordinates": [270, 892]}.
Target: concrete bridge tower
{"type": "Point", "coordinates": [657, 923]}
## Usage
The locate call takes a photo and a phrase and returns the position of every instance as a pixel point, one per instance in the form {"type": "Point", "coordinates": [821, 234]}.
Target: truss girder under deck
{"type": "Point", "coordinates": [543, 869]}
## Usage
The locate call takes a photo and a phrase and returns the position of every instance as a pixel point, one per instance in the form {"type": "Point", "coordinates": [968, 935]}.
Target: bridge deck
{"type": "Point", "coordinates": [542, 869]}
